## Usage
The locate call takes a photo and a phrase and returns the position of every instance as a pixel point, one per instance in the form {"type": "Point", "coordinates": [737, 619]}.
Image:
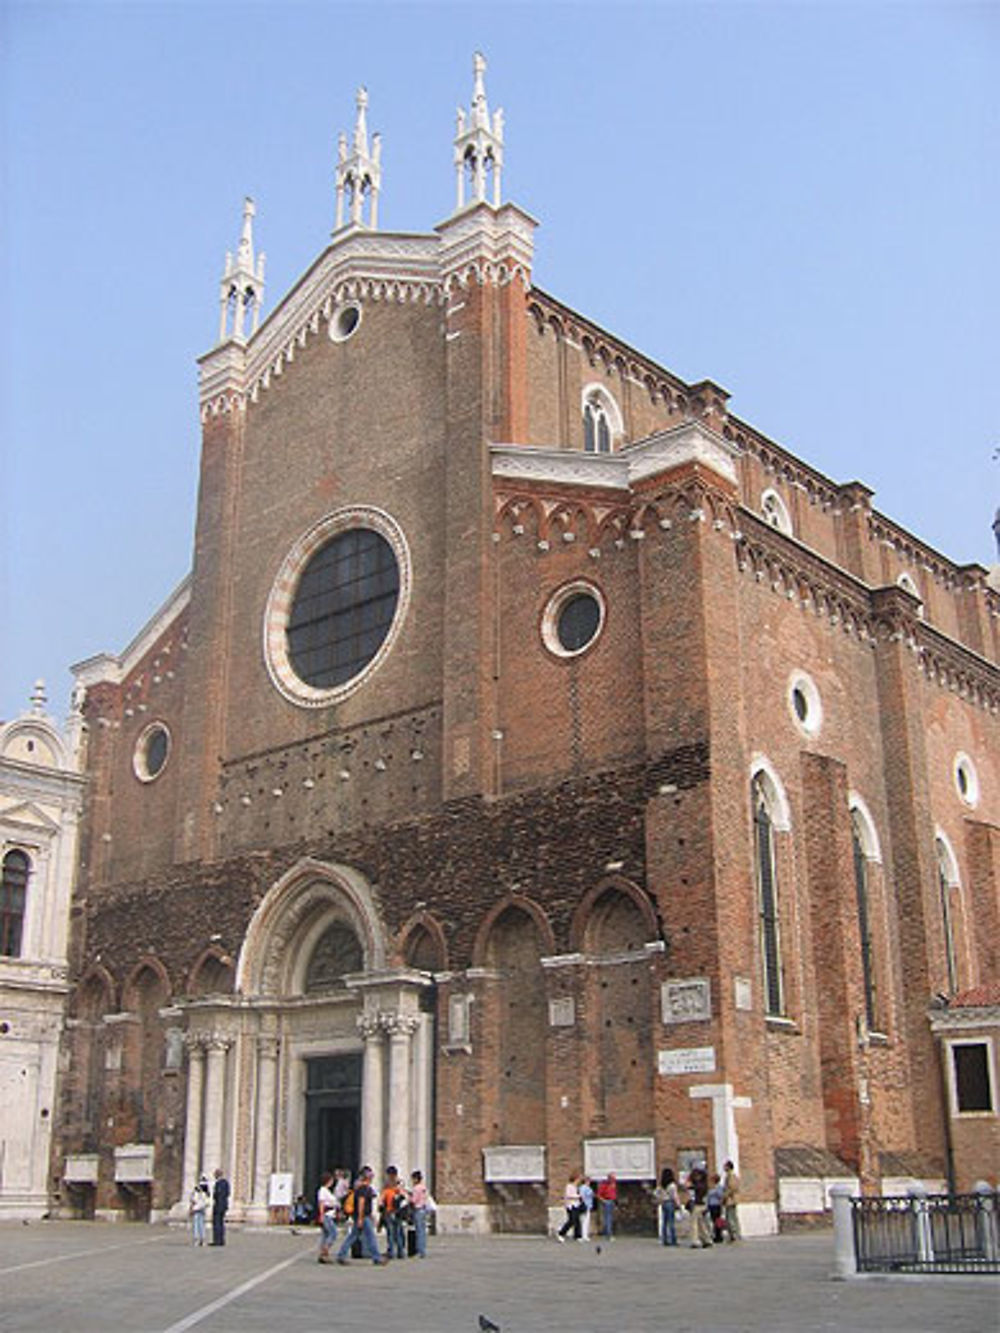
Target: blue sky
{"type": "Point", "coordinates": [799, 201]}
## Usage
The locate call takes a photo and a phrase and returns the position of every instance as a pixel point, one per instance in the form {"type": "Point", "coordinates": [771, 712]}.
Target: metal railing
{"type": "Point", "coordinates": [927, 1233]}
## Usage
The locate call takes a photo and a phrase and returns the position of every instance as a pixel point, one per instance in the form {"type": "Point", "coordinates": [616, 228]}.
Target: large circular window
{"type": "Point", "coordinates": [151, 752]}
{"type": "Point", "coordinates": [572, 619]}
{"type": "Point", "coordinates": [336, 606]}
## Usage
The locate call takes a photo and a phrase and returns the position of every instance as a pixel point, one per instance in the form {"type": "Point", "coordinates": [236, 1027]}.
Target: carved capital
{"type": "Point", "coordinates": [268, 1048]}
{"type": "Point", "coordinates": [195, 1044]}
{"type": "Point", "coordinates": [370, 1026]}
{"type": "Point", "coordinates": [402, 1026]}
{"type": "Point", "coordinates": [217, 1042]}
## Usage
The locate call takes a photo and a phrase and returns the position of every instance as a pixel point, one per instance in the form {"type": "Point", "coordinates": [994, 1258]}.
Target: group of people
{"type": "Point", "coordinates": [205, 1195]}
{"type": "Point", "coordinates": [581, 1198]}
{"type": "Point", "coordinates": [710, 1202]}
{"type": "Point", "coordinates": [359, 1207]}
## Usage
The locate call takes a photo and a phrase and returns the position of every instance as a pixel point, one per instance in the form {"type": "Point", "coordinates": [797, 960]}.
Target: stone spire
{"type": "Point", "coordinates": [359, 172]}
{"type": "Point", "coordinates": [242, 290]}
{"type": "Point", "coordinates": [478, 144]}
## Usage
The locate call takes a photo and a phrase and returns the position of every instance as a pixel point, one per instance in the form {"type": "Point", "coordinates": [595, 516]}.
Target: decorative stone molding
{"type": "Point", "coordinates": [399, 1025]}
{"type": "Point", "coordinates": [370, 1025]}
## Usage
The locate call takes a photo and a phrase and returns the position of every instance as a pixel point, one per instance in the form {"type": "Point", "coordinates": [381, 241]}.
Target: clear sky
{"type": "Point", "coordinates": [799, 201]}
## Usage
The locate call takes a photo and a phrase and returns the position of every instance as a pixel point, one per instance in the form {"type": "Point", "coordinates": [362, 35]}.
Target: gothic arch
{"type": "Point", "coordinates": [423, 924]}
{"type": "Point", "coordinates": [774, 792]}
{"type": "Point", "coordinates": [523, 904]}
{"type": "Point", "coordinates": [212, 974]}
{"type": "Point", "coordinates": [591, 902]}
{"type": "Point", "coordinates": [131, 990]}
{"type": "Point", "coordinates": [292, 917]}
{"type": "Point", "coordinates": [95, 983]}
{"type": "Point", "coordinates": [867, 832]}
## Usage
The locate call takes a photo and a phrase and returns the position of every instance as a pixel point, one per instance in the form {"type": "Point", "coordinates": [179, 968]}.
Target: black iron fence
{"type": "Point", "coordinates": [927, 1233]}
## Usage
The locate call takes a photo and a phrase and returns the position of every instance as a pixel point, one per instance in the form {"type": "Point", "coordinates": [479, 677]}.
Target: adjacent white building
{"type": "Point", "coordinates": [40, 800]}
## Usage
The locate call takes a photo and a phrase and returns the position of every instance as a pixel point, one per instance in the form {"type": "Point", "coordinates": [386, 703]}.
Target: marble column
{"type": "Point", "coordinates": [400, 1029]}
{"type": "Point", "coordinates": [192, 1119]}
{"type": "Point", "coordinates": [420, 1129]}
{"type": "Point", "coordinates": [215, 1099]}
{"type": "Point", "coordinates": [267, 1082]}
{"type": "Point", "coordinates": [372, 1101]}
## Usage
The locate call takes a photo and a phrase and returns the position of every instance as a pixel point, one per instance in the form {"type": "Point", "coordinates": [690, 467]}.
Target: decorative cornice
{"type": "Point", "coordinates": [678, 446]}
{"type": "Point", "coordinates": [872, 615]}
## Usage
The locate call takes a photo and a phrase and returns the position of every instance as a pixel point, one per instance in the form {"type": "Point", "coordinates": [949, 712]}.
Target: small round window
{"type": "Point", "coordinates": [152, 750]}
{"type": "Point", "coordinates": [804, 703]}
{"type": "Point", "coordinates": [345, 322]}
{"type": "Point", "coordinates": [966, 780]}
{"type": "Point", "coordinates": [336, 606]}
{"type": "Point", "coordinates": [573, 619]}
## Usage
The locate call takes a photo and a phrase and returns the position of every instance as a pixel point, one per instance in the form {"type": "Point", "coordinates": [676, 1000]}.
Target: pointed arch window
{"type": "Point", "coordinates": [862, 887]}
{"type": "Point", "coordinates": [13, 896]}
{"type": "Point", "coordinates": [602, 421]}
{"type": "Point", "coordinates": [767, 896]}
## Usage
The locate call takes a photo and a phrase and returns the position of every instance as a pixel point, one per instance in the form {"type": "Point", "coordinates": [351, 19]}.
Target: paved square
{"type": "Point", "coordinates": [65, 1277]}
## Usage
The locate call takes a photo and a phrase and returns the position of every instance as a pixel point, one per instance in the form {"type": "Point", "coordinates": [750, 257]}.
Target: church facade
{"type": "Point", "coordinates": [540, 769]}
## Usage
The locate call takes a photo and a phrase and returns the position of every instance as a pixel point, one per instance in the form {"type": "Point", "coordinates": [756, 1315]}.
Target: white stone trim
{"type": "Point", "coordinates": [778, 806]}
{"type": "Point", "coordinates": [689, 442]}
{"type": "Point", "coordinates": [812, 724]}
{"type": "Point", "coordinates": [870, 844]}
{"type": "Point", "coordinates": [948, 1044]}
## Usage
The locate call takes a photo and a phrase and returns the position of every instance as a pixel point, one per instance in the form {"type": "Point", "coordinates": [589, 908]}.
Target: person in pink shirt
{"type": "Point", "coordinates": [419, 1202]}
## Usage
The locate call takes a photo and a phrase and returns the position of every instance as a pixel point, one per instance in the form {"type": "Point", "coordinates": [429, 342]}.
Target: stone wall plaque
{"type": "Point", "coordinates": [514, 1163]}
{"type": "Point", "coordinates": [629, 1159]}
{"type": "Point", "coordinates": [562, 1012]}
{"type": "Point", "coordinates": [687, 1060]}
{"type": "Point", "coordinates": [687, 1001]}
{"type": "Point", "coordinates": [81, 1169]}
{"type": "Point", "coordinates": [742, 992]}
{"type": "Point", "coordinates": [134, 1162]}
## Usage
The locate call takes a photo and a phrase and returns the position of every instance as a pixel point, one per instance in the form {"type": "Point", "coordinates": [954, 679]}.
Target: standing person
{"type": "Point", "coordinates": [201, 1197]}
{"type": "Point", "coordinates": [571, 1202]}
{"type": "Point", "coordinates": [419, 1207]}
{"type": "Point", "coordinates": [701, 1235]}
{"type": "Point", "coordinates": [359, 1204]}
{"type": "Point", "coordinates": [713, 1202]}
{"type": "Point", "coordinates": [326, 1215]}
{"type": "Point", "coordinates": [669, 1198]}
{"type": "Point", "coordinates": [731, 1200]}
{"type": "Point", "coordinates": [341, 1189]}
{"type": "Point", "coordinates": [392, 1210]}
{"type": "Point", "coordinates": [607, 1193]}
{"type": "Point", "coordinates": [220, 1206]}
{"type": "Point", "coordinates": [586, 1206]}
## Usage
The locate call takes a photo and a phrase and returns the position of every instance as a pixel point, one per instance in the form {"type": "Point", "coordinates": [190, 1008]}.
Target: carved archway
{"type": "Point", "coordinates": [292, 918]}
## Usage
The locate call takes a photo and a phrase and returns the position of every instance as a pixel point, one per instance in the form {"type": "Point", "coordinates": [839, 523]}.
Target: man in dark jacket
{"type": "Point", "coordinates": [220, 1206]}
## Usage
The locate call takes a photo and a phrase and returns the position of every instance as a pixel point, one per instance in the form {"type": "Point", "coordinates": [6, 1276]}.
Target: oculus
{"type": "Point", "coordinates": [336, 606]}
{"type": "Point", "coordinates": [573, 619]}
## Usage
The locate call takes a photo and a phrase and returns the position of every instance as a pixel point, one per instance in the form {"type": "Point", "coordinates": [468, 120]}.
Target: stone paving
{"type": "Point", "coordinates": [66, 1277]}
